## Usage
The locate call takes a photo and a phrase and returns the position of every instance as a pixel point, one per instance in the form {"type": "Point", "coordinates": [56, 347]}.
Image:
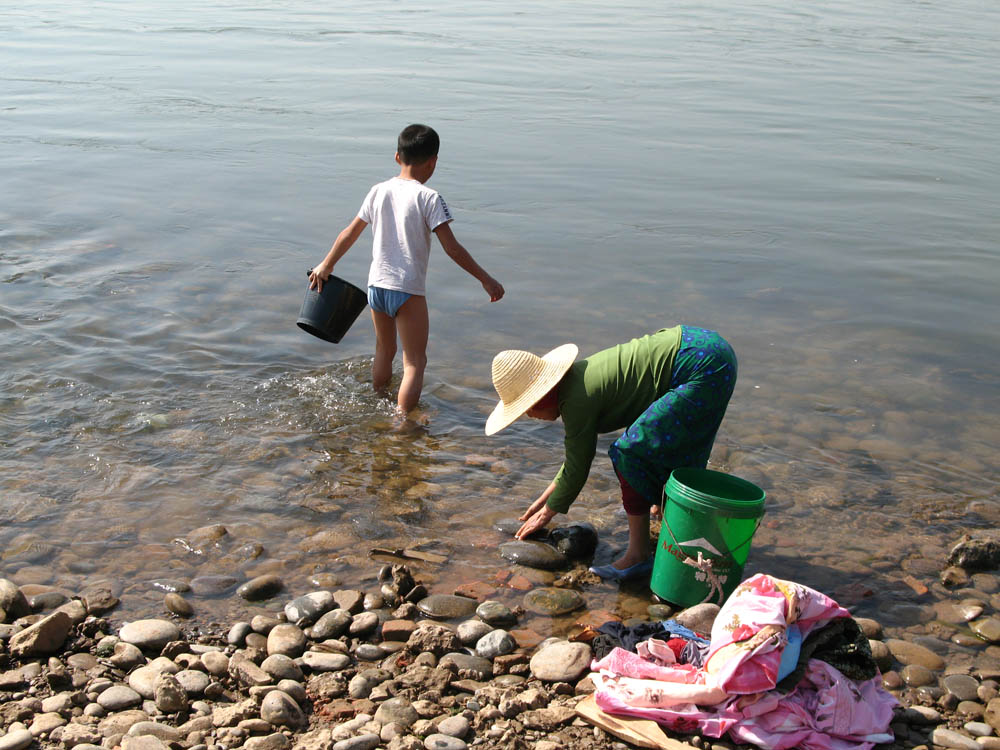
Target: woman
{"type": "Point", "coordinates": [669, 389]}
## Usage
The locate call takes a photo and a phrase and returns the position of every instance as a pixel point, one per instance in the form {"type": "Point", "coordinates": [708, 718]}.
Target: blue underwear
{"type": "Point", "coordinates": [386, 301]}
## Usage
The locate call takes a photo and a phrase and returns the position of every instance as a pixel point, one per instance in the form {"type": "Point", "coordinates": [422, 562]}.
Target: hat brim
{"type": "Point", "coordinates": [557, 362]}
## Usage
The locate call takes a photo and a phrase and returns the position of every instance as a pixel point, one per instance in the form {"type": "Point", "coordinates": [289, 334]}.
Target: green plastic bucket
{"type": "Point", "coordinates": [709, 519]}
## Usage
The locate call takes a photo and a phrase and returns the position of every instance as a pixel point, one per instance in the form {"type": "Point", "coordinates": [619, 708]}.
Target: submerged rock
{"type": "Point", "coordinates": [446, 606]}
{"type": "Point", "coordinates": [552, 601]}
{"type": "Point", "coordinates": [533, 555]}
{"type": "Point", "coordinates": [576, 541]}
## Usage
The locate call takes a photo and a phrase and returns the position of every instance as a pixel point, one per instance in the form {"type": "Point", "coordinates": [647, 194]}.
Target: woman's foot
{"type": "Point", "coordinates": [613, 573]}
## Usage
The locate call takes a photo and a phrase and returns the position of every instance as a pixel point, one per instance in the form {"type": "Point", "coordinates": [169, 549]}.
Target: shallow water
{"type": "Point", "coordinates": [817, 184]}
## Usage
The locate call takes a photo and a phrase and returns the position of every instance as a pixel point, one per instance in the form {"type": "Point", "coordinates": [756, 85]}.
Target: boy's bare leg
{"type": "Point", "coordinates": [412, 325]}
{"type": "Point", "coordinates": [385, 350]}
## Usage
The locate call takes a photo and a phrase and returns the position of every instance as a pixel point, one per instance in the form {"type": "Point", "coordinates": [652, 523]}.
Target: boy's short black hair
{"type": "Point", "coordinates": [417, 144]}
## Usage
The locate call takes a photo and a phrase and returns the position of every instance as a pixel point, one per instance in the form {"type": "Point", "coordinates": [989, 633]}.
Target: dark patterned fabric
{"type": "Point", "coordinates": [678, 429]}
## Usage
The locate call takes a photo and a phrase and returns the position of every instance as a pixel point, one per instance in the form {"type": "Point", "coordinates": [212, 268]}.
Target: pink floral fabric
{"type": "Point", "coordinates": [734, 691]}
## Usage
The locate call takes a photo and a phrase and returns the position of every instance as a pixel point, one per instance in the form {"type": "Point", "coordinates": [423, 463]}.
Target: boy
{"type": "Point", "coordinates": [403, 212]}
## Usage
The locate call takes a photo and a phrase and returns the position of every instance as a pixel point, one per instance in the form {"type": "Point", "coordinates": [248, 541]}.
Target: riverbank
{"type": "Point", "coordinates": [396, 667]}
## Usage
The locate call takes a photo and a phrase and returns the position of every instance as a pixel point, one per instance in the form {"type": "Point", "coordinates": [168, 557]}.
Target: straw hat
{"type": "Point", "coordinates": [522, 379]}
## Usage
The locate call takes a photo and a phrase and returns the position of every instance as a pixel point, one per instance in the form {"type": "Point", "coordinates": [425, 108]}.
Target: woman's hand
{"type": "Point", "coordinates": [536, 516]}
{"type": "Point", "coordinates": [534, 520]}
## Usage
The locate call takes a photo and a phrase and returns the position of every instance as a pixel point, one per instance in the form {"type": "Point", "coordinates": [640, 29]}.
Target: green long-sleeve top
{"type": "Point", "coordinates": [608, 391]}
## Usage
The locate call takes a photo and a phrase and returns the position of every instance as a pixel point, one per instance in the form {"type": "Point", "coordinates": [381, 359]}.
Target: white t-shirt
{"type": "Point", "coordinates": [403, 213]}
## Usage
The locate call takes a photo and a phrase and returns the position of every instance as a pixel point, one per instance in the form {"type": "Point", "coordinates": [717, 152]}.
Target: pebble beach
{"type": "Point", "coordinates": [396, 665]}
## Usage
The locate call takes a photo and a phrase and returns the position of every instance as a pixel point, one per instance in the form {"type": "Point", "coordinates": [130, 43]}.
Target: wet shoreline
{"type": "Point", "coordinates": [946, 672]}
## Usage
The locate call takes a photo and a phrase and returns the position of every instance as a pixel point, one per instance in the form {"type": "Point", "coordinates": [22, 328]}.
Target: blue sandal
{"type": "Point", "coordinates": [610, 573]}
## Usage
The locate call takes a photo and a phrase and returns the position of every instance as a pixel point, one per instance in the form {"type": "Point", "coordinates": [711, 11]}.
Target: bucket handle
{"type": "Point", "coordinates": [703, 563]}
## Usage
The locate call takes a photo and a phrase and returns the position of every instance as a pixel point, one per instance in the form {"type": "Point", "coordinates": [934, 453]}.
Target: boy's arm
{"type": "Point", "coordinates": [466, 262]}
{"type": "Point", "coordinates": [341, 245]}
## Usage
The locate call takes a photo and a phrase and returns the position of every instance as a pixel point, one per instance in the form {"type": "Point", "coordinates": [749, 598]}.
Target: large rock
{"type": "Point", "coordinates": [533, 555]}
{"type": "Point", "coordinates": [699, 618]}
{"type": "Point", "coordinates": [280, 709]}
{"type": "Point", "coordinates": [12, 601]}
{"type": "Point", "coordinates": [118, 698]}
{"type": "Point", "coordinates": [331, 625]}
{"type": "Point", "coordinates": [261, 587]}
{"type": "Point", "coordinates": [309, 607]}
{"type": "Point", "coordinates": [16, 740]}
{"type": "Point", "coordinates": [149, 635]}
{"type": "Point", "coordinates": [576, 540]}
{"type": "Point", "coordinates": [437, 639]}
{"type": "Point", "coordinates": [552, 601]}
{"type": "Point", "coordinates": [447, 606]}
{"type": "Point", "coordinates": [977, 551]}
{"type": "Point", "coordinates": [396, 710]}
{"type": "Point", "coordinates": [906, 652]}
{"type": "Point", "coordinates": [561, 662]}
{"type": "Point", "coordinates": [169, 696]}
{"type": "Point", "coordinates": [287, 639]}
{"type": "Point", "coordinates": [44, 637]}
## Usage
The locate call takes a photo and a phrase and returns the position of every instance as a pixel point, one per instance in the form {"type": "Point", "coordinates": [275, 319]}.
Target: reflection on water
{"type": "Point", "coordinates": [740, 169]}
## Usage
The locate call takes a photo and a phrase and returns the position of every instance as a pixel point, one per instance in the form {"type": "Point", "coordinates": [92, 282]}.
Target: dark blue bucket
{"type": "Point", "coordinates": [330, 313]}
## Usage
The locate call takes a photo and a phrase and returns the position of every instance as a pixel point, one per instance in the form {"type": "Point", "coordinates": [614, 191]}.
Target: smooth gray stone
{"type": "Point", "coordinates": [533, 555]}
{"type": "Point", "coordinates": [962, 686]}
{"type": "Point", "coordinates": [369, 652]}
{"type": "Point", "coordinates": [331, 625]}
{"type": "Point", "coordinates": [916, 675]}
{"type": "Point", "coordinates": [321, 661]}
{"type": "Point", "coordinates": [396, 710]}
{"type": "Point", "coordinates": [47, 600]}
{"type": "Point", "coordinates": [495, 613]}
{"type": "Point", "coordinates": [363, 623]}
{"type": "Point", "coordinates": [16, 740]}
{"type": "Point", "coordinates": [952, 739]}
{"type": "Point", "coordinates": [446, 606]}
{"type": "Point", "coordinates": [361, 742]}
{"type": "Point", "coordinates": [282, 667]}
{"type": "Point", "coordinates": [118, 697]}
{"type": "Point", "coordinates": [444, 742]}
{"type": "Point", "coordinates": [286, 639]}
{"type": "Point", "coordinates": [454, 726]}
{"type": "Point", "coordinates": [552, 601]}
{"type": "Point", "coordinates": [149, 635]}
{"type": "Point", "coordinates": [178, 605]}
{"type": "Point", "coordinates": [213, 585]}
{"type": "Point", "coordinates": [193, 681]}
{"type": "Point", "coordinates": [496, 643]}
{"type": "Point", "coordinates": [471, 631]}
{"type": "Point", "coordinates": [906, 652]}
{"type": "Point", "coordinates": [238, 633]}
{"type": "Point", "coordinates": [12, 600]}
{"type": "Point", "coordinates": [561, 662]}
{"type": "Point", "coordinates": [308, 608]}
{"type": "Point", "coordinates": [216, 662]}
{"type": "Point", "coordinates": [261, 587]}
{"type": "Point", "coordinates": [280, 709]}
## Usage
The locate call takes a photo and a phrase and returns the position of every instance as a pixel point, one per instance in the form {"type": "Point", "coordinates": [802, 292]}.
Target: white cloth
{"type": "Point", "coordinates": [403, 213]}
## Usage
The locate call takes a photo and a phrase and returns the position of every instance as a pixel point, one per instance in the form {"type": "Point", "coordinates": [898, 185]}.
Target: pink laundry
{"type": "Point", "coordinates": [734, 691]}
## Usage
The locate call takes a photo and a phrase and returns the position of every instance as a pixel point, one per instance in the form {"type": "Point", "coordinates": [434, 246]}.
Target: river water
{"type": "Point", "coordinates": [817, 183]}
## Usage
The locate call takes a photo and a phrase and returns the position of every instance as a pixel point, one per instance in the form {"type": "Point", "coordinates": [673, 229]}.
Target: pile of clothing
{"type": "Point", "coordinates": [786, 667]}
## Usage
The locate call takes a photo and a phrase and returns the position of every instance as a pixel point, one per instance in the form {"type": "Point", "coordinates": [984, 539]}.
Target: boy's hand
{"type": "Point", "coordinates": [317, 276]}
{"type": "Point", "coordinates": [493, 288]}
